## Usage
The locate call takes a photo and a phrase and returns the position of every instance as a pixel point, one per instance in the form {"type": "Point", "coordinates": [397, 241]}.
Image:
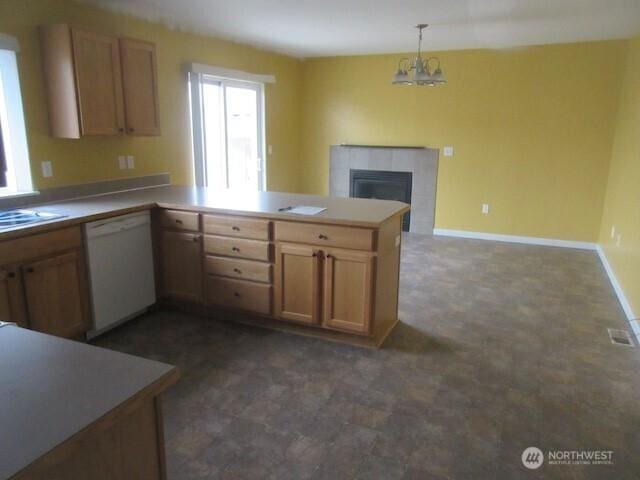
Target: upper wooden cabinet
{"type": "Point", "coordinates": [140, 83]}
{"type": "Point", "coordinates": [98, 85]}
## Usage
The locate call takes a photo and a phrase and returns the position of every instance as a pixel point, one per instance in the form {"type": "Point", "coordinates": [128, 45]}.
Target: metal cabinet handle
{"type": "Point", "coordinates": [179, 222]}
{"type": "Point", "coordinates": [323, 237]}
{"type": "Point", "coordinates": [235, 229]}
{"type": "Point", "coordinates": [195, 239]}
{"type": "Point", "coordinates": [236, 294]}
{"type": "Point", "coordinates": [131, 130]}
{"type": "Point", "coordinates": [238, 271]}
{"type": "Point", "coordinates": [329, 255]}
{"type": "Point", "coordinates": [314, 254]}
{"type": "Point", "coordinates": [121, 129]}
{"type": "Point", "coordinates": [235, 249]}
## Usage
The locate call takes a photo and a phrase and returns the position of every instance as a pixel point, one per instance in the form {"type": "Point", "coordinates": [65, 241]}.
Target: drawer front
{"type": "Point", "coordinates": [330, 235]}
{"type": "Point", "coordinates": [237, 247]}
{"type": "Point", "coordinates": [180, 220]}
{"type": "Point", "coordinates": [236, 268]}
{"type": "Point", "coordinates": [254, 297]}
{"type": "Point", "coordinates": [236, 226]}
{"type": "Point", "coordinates": [40, 245]}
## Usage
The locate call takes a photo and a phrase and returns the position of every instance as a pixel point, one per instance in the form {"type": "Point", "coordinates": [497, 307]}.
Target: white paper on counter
{"type": "Point", "coordinates": [303, 210]}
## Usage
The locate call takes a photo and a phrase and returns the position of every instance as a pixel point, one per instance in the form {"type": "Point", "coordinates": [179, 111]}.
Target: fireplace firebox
{"type": "Point", "coordinates": [382, 185]}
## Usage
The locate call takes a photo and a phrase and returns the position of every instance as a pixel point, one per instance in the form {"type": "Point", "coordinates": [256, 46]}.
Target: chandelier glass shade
{"type": "Point", "coordinates": [421, 71]}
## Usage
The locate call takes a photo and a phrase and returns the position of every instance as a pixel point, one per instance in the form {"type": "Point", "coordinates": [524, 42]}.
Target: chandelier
{"type": "Point", "coordinates": [423, 71]}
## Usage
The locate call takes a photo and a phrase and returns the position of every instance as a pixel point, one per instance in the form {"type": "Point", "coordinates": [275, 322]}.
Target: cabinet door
{"type": "Point", "coordinates": [182, 265]}
{"type": "Point", "coordinates": [12, 307]}
{"type": "Point", "coordinates": [98, 83]}
{"type": "Point", "coordinates": [297, 286]}
{"type": "Point", "coordinates": [348, 286]}
{"type": "Point", "coordinates": [56, 295]}
{"type": "Point", "coordinates": [140, 87]}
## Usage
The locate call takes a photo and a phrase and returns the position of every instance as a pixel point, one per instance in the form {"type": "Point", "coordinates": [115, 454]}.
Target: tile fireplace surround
{"type": "Point", "coordinates": [421, 162]}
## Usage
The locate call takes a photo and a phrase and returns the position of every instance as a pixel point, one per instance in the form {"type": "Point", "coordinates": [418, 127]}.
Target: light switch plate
{"type": "Point", "coordinates": [130, 162]}
{"type": "Point", "coordinates": [485, 208]}
{"type": "Point", "coordinates": [447, 151]}
{"type": "Point", "coordinates": [270, 149]}
{"type": "Point", "coordinates": [47, 169]}
{"type": "Point", "coordinates": [122, 162]}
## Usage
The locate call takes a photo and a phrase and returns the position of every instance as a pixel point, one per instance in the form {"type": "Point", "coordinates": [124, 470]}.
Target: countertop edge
{"type": "Point", "coordinates": [152, 390]}
{"type": "Point", "coordinates": [79, 220]}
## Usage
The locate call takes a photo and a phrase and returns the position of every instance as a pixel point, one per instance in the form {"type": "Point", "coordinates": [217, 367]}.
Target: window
{"type": "Point", "coordinates": [15, 171]}
{"type": "Point", "coordinates": [228, 128]}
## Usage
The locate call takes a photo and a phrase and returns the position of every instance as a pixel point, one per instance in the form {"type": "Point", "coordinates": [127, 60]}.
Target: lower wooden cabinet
{"type": "Point", "coordinates": [240, 294]}
{"type": "Point", "coordinates": [55, 295]}
{"type": "Point", "coordinates": [43, 283]}
{"type": "Point", "coordinates": [311, 280]}
{"type": "Point", "coordinates": [348, 287]}
{"type": "Point", "coordinates": [182, 265]}
{"type": "Point", "coordinates": [297, 283]}
{"type": "Point", "coordinates": [12, 305]}
{"type": "Point", "coordinates": [342, 281]}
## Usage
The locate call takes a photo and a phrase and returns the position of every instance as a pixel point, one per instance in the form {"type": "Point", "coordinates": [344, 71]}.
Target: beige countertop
{"type": "Point", "coordinates": [53, 388]}
{"type": "Point", "coordinates": [341, 211]}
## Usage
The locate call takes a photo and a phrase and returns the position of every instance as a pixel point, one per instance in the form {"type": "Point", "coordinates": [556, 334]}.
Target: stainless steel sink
{"type": "Point", "coordinates": [16, 218]}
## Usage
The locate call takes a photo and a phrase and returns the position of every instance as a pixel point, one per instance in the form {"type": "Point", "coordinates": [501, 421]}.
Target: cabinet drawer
{"type": "Point", "coordinates": [237, 247]}
{"type": "Point", "coordinates": [330, 235]}
{"type": "Point", "coordinates": [244, 269]}
{"type": "Point", "coordinates": [240, 294]}
{"type": "Point", "coordinates": [40, 245]}
{"type": "Point", "coordinates": [180, 220]}
{"type": "Point", "coordinates": [236, 226]}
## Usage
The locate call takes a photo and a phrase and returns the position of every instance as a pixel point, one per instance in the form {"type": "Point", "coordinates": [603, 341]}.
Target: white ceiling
{"type": "Point", "coordinates": [308, 28]}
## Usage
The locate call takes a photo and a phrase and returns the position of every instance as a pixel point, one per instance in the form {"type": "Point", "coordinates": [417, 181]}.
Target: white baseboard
{"type": "Point", "coordinates": [618, 289]}
{"type": "Point", "coordinates": [497, 237]}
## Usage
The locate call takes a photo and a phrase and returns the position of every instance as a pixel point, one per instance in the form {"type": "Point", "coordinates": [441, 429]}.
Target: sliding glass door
{"type": "Point", "coordinates": [228, 133]}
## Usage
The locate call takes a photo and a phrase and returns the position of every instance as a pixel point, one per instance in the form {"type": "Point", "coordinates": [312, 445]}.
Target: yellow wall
{"type": "Point", "coordinates": [92, 159]}
{"type": "Point", "coordinates": [531, 128]}
{"type": "Point", "coordinates": [622, 204]}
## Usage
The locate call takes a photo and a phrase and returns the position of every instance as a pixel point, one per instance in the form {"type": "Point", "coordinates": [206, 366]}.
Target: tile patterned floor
{"type": "Point", "coordinates": [501, 347]}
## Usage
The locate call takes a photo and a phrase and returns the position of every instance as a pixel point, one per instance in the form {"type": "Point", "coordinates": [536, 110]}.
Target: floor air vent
{"type": "Point", "coordinates": [620, 337]}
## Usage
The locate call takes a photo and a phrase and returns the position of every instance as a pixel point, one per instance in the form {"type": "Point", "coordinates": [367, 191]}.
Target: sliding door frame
{"type": "Point", "coordinates": [196, 83]}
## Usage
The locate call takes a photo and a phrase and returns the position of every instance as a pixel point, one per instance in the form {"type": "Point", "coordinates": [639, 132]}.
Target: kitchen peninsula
{"type": "Point", "coordinates": [334, 274]}
{"type": "Point", "coordinates": [74, 411]}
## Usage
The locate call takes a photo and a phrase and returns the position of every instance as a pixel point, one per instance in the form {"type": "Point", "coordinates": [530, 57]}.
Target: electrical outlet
{"type": "Point", "coordinates": [485, 208]}
{"type": "Point", "coordinates": [447, 151]}
{"type": "Point", "coordinates": [122, 162]}
{"type": "Point", "coordinates": [613, 232]}
{"type": "Point", "coordinates": [130, 162]}
{"type": "Point", "coordinates": [47, 169]}
{"type": "Point", "coordinates": [618, 239]}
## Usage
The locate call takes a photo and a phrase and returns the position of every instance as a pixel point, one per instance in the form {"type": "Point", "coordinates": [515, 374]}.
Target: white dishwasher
{"type": "Point", "coordinates": [120, 269]}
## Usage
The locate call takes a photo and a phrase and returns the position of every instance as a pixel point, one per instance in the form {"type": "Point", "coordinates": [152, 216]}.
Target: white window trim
{"type": "Point", "coordinates": [19, 180]}
{"type": "Point", "coordinates": [229, 74]}
{"type": "Point", "coordinates": [199, 74]}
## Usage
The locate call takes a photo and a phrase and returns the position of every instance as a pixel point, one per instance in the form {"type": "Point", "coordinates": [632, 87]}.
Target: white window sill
{"type": "Point", "coordinates": [14, 194]}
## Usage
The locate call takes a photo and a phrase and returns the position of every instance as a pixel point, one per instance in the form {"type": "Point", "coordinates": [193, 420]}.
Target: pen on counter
{"type": "Point", "coordinates": [285, 209]}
